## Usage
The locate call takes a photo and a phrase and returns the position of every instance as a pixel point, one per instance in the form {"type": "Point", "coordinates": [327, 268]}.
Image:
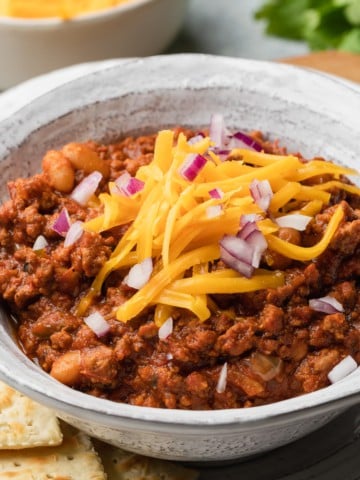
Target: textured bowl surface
{"type": "Point", "coordinates": [284, 102]}
{"type": "Point", "coordinates": [141, 27]}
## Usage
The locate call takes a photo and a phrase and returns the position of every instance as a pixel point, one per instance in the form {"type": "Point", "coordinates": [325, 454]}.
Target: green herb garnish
{"type": "Point", "coordinates": [323, 24]}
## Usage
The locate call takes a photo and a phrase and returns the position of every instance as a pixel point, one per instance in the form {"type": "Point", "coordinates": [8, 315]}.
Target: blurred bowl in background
{"type": "Point", "coordinates": [30, 47]}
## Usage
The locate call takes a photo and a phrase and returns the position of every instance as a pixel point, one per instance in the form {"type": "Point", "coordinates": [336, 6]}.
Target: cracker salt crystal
{"type": "Point", "coordinates": [122, 465]}
{"type": "Point", "coordinates": [74, 459]}
{"type": "Point", "coordinates": [25, 423]}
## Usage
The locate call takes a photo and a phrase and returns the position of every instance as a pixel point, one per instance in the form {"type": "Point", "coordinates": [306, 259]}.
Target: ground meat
{"type": "Point", "coordinates": [24, 277]}
{"type": "Point", "coordinates": [312, 371]}
{"type": "Point", "coordinates": [275, 346]}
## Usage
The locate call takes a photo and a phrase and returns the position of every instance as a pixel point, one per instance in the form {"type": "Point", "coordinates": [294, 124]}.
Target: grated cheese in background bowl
{"type": "Point", "coordinates": [56, 8]}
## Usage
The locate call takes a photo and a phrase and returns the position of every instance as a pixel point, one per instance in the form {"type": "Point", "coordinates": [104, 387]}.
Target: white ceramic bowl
{"type": "Point", "coordinates": [31, 47]}
{"type": "Point", "coordinates": [280, 100]}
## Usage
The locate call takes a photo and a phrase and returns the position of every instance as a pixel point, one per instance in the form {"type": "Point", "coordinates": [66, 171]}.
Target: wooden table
{"type": "Point", "coordinates": [343, 64]}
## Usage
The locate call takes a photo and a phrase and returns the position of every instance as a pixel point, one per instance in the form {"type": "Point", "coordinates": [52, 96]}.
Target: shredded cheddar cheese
{"type": "Point", "coordinates": [55, 8]}
{"type": "Point", "coordinates": [169, 222]}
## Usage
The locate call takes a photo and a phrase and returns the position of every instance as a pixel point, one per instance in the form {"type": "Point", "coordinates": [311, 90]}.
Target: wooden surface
{"type": "Point", "coordinates": [343, 64]}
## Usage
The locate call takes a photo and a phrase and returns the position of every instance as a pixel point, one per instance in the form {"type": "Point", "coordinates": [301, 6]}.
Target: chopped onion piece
{"type": "Point", "coordinates": [247, 229]}
{"type": "Point", "coordinates": [216, 193]}
{"type": "Point", "coordinates": [74, 233]}
{"type": "Point", "coordinates": [192, 165]}
{"type": "Point", "coordinates": [237, 247]}
{"type": "Point", "coordinates": [139, 274]}
{"type": "Point", "coordinates": [86, 188]}
{"type": "Point", "coordinates": [169, 356]}
{"type": "Point", "coordinates": [217, 131]}
{"type": "Point", "coordinates": [62, 223]}
{"type": "Point", "coordinates": [254, 239]}
{"type": "Point", "coordinates": [225, 141]}
{"type": "Point", "coordinates": [243, 252]}
{"type": "Point", "coordinates": [258, 243]}
{"type": "Point", "coordinates": [166, 329]}
{"type": "Point", "coordinates": [342, 369]}
{"type": "Point", "coordinates": [97, 323]}
{"type": "Point", "coordinates": [221, 384]}
{"type": "Point", "coordinates": [262, 193]}
{"type": "Point", "coordinates": [214, 211]}
{"type": "Point", "coordinates": [222, 153]}
{"type": "Point", "coordinates": [295, 221]}
{"type": "Point", "coordinates": [266, 366]}
{"type": "Point", "coordinates": [354, 373]}
{"type": "Point", "coordinates": [237, 254]}
{"type": "Point", "coordinates": [196, 139]}
{"type": "Point", "coordinates": [40, 243]}
{"type": "Point", "coordinates": [240, 266]}
{"type": "Point", "coordinates": [249, 217]}
{"type": "Point", "coordinates": [129, 185]}
{"type": "Point", "coordinates": [326, 305]}
{"type": "Point", "coordinates": [241, 140]}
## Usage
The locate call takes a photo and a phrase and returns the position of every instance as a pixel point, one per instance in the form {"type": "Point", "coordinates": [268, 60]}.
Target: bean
{"type": "Point", "coordinates": [290, 235]}
{"type": "Point", "coordinates": [84, 158]}
{"type": "Point", "coordinates": [67, 368]}
{"type": "Point", "coordinates": [59, 171]}
{"type": "Point", "coordinates": [275, 259]}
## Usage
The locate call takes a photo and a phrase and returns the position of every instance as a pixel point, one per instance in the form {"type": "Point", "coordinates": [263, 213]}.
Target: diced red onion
{"type": "Point", "coordinates": [139, 274]}
{"type": "Point", "coordinates": [267, 367]}
{"type": "Point", "coordinates": [222, 153]}
{"type": "Point", "coordinates": [192, 166]}
{"type": "Point", "coordinates": [254, 239]}
{"type": "Point", "coordinates": [354, 373]}
{"type": "Point", "coordinates": [237, 247]}
{"type": "Point", "coordinates": [166, 329]}
{"type": "Point", "coordinates": [169, 356]}
{"type": "Point", "coordinates": [129, 185]}
{"type": "Point", "coordinates": [249, 217]}
{"type": "Point", "coordinates": [40, 243]}
{"type": "Point", "coordinates": [258, 243]}
{"type": "Point", "coordinates": [97, 323]}
{"type": "Point", "coordinates": [247, 229]}
{"type": "Point", "coordinates": [217, 131]}
{"type": "Point", "coordinates": [237, 254]}
{"type": "Point", "coordinates": [243, 252]}
{"type": "Point", "coordinates": [135, 185]}
{"type": "Point", "coordinates": [262, 193]}
{"type": "Point", "coordinates": [221, 384]}
{"type": "Point", "coordinates": [62, 223]}
{"type": "Point", "coordinates": [196, 139]}
{"type": "Point", "coordinates": [74, 233]}
{"type": "Point", "coordinates": [342, 369]}
{"type": "Point", "coordinates": [86, 188]}
{"type": "Point", "coordinates": [216, 193]}
{"type": "Point", "coordinates": [241, 140]}
{"type": "Point", "coordinates": [295, 221]}
{"type": "Point", "coordinates": [238, 265]}
{"type": "Point", "coordinates": [326, 304]}
{"type": "Point", "coordinates": [214, 211]}
{"type": "Point", "coordinates": [225, 141]}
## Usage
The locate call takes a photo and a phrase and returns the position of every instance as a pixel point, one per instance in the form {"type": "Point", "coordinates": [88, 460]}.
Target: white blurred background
{"type": "Point", "coordinates": [228, 27]}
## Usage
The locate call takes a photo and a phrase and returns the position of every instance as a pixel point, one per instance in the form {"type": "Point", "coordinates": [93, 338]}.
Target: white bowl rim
{"type": "Point", "coordinates": [62, 398]}
{"type": "Point", "coordinates": [103, 14]}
